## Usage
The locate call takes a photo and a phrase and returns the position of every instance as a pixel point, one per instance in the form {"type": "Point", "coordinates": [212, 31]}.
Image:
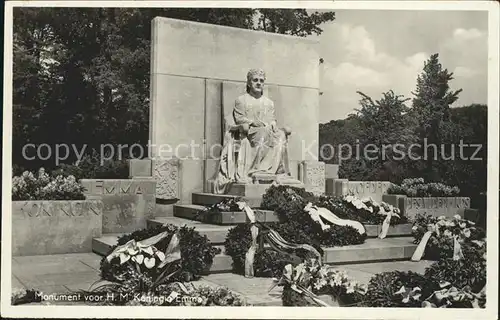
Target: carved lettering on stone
{"type": "Point", "coordinates": [95, 207]}
{"type": "Point", "coordinates": [138, 190]}
{"type": "Point", "coordinates": [125, 186]}
{"type": "Point", "coordinates": [44, 210]}
{"type": "Point", "coordinates": [67, 211]}
{"type": "Point", "coordinates": [98, 187]}
{"type": "Point", "coordinates": [109, 187]}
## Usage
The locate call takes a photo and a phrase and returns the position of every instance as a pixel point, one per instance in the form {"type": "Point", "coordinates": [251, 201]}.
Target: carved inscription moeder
{"type": "Point", "coordinates": [54, 209]}
{"type": "Point", "coordinates": [362, 189]}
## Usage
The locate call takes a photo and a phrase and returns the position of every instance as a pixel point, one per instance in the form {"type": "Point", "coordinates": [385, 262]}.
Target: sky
{"type": "Point", "coordinates": [376, 51]}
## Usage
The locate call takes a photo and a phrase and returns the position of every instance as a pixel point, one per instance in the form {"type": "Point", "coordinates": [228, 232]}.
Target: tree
{"type": "Point", "coordinates": [295, 22]}
{"type": "Point", "coordinates": [81, 75]}
{"type": "Point", "coordinates": [381, 124]}
{"type": "Point", "coordinates": [431, 106]}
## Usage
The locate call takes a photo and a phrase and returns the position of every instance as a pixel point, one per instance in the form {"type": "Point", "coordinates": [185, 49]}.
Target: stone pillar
{"type": "Point", "coordinates": [341, 187]}
{"type": "Point", "coordinates": [139, 168]}
{"type": "Point", "coordinates": [331, 173]}
{"type": "Point", "coordinates": [312, 174]}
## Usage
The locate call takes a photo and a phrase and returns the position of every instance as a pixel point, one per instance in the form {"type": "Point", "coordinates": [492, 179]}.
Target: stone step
{"type": "Point", "coordinates": [191, 211]}
{"type": "Point", "coordinates": [374, 249]}
{"type": "Point", "coordinates": [207, 199]}
{"type": "Point", "coordinates": [103, 245]}
{"type": "Point", "coordinates": [215, 233]}
{"type": "Point", "coordinates": [389, 249]}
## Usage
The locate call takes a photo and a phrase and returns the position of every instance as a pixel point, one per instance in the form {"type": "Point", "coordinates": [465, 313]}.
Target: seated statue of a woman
{"type": "Point", "coordinates": [263, 146]}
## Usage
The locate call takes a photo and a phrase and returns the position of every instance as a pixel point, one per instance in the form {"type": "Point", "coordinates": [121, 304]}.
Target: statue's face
{"type": "Point", "coordinates": [257, 83]}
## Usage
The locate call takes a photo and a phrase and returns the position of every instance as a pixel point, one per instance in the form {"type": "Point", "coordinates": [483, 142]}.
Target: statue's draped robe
{"type": "Point", "coordinates": [262, 151]}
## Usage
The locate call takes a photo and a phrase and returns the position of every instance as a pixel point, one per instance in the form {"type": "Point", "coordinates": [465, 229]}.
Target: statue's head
{"type": "Point", "coordinates": [255, 80]}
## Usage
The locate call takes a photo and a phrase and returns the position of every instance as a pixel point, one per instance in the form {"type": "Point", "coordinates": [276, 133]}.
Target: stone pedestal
{"type": "Point", "coordinates": [55, 227]}
{"type": "Point", "coordinates": [312, 174]}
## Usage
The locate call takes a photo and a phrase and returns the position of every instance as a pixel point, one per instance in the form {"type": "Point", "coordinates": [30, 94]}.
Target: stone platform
{"type": "Point", "coordinates": [65, 273]}
{"type": "Point", "coordinates": [251, 193]}
{"type": "Point", "coordinates": [194, 212]}
{"type": "Point", "coordinates": [397, 246]}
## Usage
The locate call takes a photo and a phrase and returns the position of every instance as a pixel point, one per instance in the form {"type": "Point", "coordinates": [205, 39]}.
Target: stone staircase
{"type": "Point", "coordinates": [397, 246]}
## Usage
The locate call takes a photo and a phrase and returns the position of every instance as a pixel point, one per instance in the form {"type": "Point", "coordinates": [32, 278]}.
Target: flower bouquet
{"type": "Point", "coordinates": [443, 237]}
{"type": "Point", "coordinates": [310, 283]}
{"type": "Point", "coordinates": [447, 296]}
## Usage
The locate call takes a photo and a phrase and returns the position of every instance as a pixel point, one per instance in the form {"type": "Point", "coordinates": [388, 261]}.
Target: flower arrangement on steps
{"type": "Point", "coordinates": [151, 266]}
{"type": "Point", "coordinates": [311, 283]}
{"type": "Point", "coordinates": [225, 205]}
{"type": "Point", "coordinates": [441, 237]}
{"type": "Point", "coordinates": [367, 211]}
{"type": "Point", "coordinates": [197, 253]}
{"type": "Point", "coordinates": [447, 283]}
{"type": "Point", "coordinates": [450, 282]}
{"type": "Point", "coordinates": [301, 221]}
{"type": "Point", "coordinates": [289, 203]}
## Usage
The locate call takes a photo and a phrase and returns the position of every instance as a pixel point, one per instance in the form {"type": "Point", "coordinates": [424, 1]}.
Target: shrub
{"type": "Point", "coordinates": [43, 187]}
{"type": "Point", "coordinates": [90, 167]}
{"type": "Point", "coordinates": [416, 187]}
{"type": "Point", "coordinates": [196, 252]}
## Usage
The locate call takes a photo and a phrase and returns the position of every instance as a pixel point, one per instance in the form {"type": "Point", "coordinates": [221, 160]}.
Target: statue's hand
{"type": "Point", "coordinates": [244, 128]}
{"type": "Point", "coordinates": [258, 123]}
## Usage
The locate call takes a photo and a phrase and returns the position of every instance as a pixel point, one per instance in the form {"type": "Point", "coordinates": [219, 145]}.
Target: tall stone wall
{"type": "Point", "coordinates": [189, 63]}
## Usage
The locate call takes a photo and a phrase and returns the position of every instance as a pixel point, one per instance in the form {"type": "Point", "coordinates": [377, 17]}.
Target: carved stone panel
{"type": "Point", "coordinates": [167, 176]}
{"type": "Point", "coordinates": [312, 174]}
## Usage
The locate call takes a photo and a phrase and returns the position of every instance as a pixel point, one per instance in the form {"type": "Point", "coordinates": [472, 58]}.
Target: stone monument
{"type": "Point", "coordinates": [197, 73]}
{"type": "Point", "coordinates": [255, 150]}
